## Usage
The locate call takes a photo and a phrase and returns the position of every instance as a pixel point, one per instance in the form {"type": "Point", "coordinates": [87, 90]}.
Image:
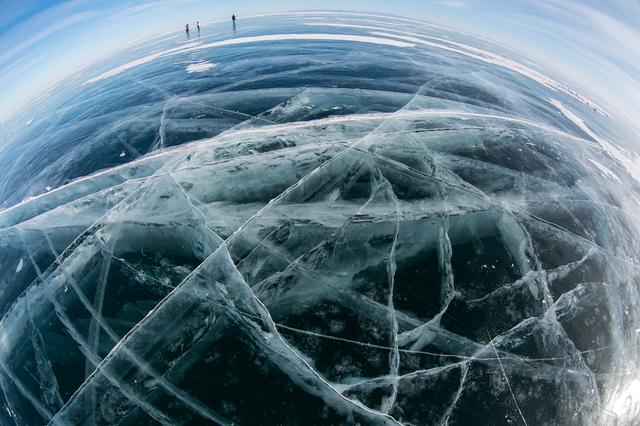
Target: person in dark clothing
{"type": "Point", "coordinates": [233, 18]}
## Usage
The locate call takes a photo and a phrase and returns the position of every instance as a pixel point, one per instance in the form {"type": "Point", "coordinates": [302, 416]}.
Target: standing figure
{"type": "Point", "coordinates": [233, 18]}
{"type": "Point", "coordinates": [198, 25]}
{"type": "Point", "coordinates": [186, 29]}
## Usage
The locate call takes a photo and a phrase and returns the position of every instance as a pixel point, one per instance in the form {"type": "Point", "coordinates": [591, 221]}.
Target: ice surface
{"type": "Point", "coordinates": [350, 232]}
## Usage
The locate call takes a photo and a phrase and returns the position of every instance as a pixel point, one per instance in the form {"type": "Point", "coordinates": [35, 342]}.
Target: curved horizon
{"type": "Point", "coordinates": [50, 41]}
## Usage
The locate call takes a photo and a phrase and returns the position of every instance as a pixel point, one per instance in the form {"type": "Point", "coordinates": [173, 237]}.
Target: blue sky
{"type": "Point", "coordinates": [595, 44]}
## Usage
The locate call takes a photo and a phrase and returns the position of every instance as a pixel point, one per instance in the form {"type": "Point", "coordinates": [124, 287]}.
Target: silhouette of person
{"type": "Point", "coordinates": [198, 25]}
{"type": "Point", "coordinates": [186, 29]}
{"type": "Point", "coordinates": [233, 18]}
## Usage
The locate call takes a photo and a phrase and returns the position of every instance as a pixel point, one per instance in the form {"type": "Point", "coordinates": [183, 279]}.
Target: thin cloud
{"type": "Point", "coordinates": [459, 4]}
{"type": "Point", "coordinates": [56, 27]}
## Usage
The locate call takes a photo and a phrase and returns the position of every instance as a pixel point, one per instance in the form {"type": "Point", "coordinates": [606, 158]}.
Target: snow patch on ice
{"type": "Point", "coordinates": [315, 37]}
{"type": "Point", "coordinates": [200, 67]}
{"type": "Point", "coordinates": [20, 265]}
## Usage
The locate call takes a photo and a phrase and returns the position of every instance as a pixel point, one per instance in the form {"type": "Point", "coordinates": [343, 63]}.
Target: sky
{"type": "Point", "coordinates": [594, 44]}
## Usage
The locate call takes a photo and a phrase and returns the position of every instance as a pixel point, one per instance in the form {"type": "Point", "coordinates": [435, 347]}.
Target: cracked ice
{"type": "Point", "coordinates": [323, 228]}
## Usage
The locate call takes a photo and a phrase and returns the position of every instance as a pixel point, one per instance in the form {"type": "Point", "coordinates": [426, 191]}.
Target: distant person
{"type": "Point", "coordinates": [198, 25]}
{"type": "Point", "coordinates": [186, 29]}
{"type": "Point", "coordinates": [233, 18]}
